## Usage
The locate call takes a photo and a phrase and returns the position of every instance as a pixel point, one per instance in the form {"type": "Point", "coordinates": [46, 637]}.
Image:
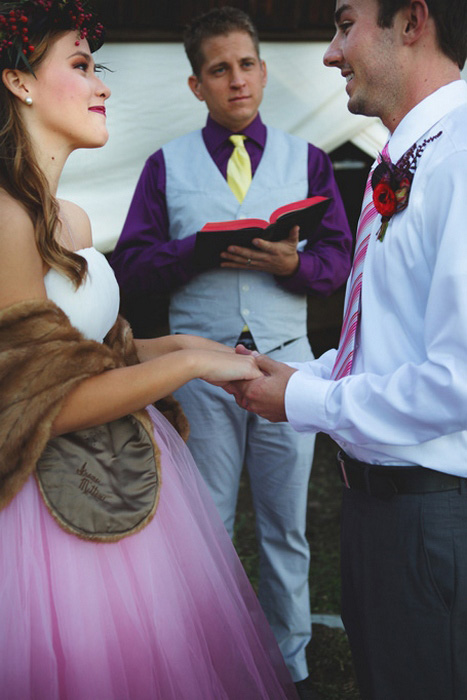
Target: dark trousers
{"type": "Point", "coordinates": [404, 594]}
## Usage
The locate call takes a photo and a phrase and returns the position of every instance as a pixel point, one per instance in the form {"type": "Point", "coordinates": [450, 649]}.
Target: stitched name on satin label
{"type": "Point", "coordinates": [88, 483]}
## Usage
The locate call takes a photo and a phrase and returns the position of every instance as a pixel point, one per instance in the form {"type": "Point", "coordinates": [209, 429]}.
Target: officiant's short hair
{"type": "Point", "coordinates": [451, 24]}
{"type": "Point", "coordinates": [216, 22]}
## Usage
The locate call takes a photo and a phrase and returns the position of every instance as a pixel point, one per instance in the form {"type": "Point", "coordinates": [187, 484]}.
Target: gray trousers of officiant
{"type": "Point", "coordinates": [224, 437]}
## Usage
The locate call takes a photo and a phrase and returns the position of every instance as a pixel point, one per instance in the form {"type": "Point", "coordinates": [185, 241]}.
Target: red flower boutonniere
{"type": "Point", "coordinates": [391, 183]}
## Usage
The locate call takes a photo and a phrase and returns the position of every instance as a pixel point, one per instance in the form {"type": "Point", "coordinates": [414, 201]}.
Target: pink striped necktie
{"type": "Point", "coordinates": [345, 353]}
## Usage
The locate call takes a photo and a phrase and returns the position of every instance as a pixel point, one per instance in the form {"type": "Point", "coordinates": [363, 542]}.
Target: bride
{"type": "Point", "coordinates": [117, 579]}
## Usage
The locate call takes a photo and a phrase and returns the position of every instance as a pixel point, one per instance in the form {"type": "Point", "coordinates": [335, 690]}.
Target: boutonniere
{"type": "Point", "coordinates": [391, 183]}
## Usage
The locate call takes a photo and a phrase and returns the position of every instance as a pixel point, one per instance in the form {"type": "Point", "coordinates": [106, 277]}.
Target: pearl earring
{"type": "Point", "coordinates": [28, 101]}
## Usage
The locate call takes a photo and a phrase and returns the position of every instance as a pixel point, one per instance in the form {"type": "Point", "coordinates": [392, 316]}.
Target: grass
{"type": "Point", "coordinates": [328, 653]}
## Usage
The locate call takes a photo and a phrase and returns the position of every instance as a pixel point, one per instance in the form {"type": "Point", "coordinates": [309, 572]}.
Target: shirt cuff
{"type": "Point", "coordinates": [299, 282]}
{"type": "Point", "coordinates": [186, 246]}
{"type": "Point", "coordinates": [186, 253]}
{"type": "Point", "coordinates": [305, 400]}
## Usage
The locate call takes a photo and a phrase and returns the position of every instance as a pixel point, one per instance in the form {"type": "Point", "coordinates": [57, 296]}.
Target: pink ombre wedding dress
{"type": "Point", "coordinates": [165, 614]}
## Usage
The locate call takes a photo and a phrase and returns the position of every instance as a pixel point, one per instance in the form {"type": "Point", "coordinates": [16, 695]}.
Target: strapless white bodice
{"type": "Point", "coordinates": [93, 307]}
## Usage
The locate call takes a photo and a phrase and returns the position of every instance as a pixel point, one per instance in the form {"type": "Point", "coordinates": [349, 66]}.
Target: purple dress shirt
{"type": "Point", "coordinates": [145, 260]}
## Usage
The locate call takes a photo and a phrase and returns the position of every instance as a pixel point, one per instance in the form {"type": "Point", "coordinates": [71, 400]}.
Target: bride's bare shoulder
{"type": "Point", "coordinates": [22, 269]}
{"type": "Point", "coordinates": [13, 212]}
{"type": "Point", "coordinates": [16, 227]}
{"type": "Point", "coordinates": [78, 222]}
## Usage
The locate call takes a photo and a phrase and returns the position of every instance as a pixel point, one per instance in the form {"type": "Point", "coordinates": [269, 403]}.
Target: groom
{"type": "Point", "coordinates": [395, 395]}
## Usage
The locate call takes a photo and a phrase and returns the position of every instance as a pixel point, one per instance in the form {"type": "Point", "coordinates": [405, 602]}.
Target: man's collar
{"type": "Point", "coordinates": [425, 115]}
{"type": "Point", "coordinates": [217, 134]}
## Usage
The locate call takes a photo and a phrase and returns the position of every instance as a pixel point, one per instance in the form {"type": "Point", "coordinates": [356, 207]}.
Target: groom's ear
{"type": "Point", "coordinates": [415, 17]}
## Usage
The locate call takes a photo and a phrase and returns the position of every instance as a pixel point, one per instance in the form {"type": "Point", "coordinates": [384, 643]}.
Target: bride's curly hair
{"type": "Point", "coordinates": [22, 178]}
{"type": "Point", "coordinates": [20, 174]}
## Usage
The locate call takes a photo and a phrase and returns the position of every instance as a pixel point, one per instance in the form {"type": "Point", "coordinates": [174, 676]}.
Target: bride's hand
{"type": "Point", "coordinates": [242, 350]}
{"type": "Point", "coordinates": [221, 367]}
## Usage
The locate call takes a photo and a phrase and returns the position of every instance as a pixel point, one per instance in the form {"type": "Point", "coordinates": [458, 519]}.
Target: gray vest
{"type": "Point", "coordinates": [218, 303]}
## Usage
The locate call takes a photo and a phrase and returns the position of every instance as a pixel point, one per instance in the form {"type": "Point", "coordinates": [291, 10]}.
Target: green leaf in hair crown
{"type": "Point", "coordinates": [25, 22]}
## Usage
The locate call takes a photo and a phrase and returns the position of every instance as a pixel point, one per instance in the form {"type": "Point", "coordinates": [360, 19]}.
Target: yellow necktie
{"type": "Point", "coordinates": [239, 168]}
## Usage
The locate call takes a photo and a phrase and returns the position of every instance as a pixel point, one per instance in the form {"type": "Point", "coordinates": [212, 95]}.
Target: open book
{"type": "Point", "coordinates": [215, 237]}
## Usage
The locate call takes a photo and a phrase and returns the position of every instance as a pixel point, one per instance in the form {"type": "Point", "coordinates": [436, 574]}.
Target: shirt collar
{"type": "Point", "coordinates": [425, 115]}
{"type": "Point", "coordinates": [216, 134]}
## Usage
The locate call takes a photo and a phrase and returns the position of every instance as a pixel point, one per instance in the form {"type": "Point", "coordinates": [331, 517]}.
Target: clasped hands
{"type": "Point", "coordinates": [265, 395]}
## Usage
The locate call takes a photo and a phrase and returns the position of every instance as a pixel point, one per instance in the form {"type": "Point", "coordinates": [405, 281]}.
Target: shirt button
{"type": "Point", "coordinates": [246, 312]}
{"type": "Point", "coordinates": [246, 288]}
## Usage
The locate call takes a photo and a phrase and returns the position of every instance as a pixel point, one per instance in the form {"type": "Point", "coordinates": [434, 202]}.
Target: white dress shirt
{"type": "Point", "coordinates": [405, 401]}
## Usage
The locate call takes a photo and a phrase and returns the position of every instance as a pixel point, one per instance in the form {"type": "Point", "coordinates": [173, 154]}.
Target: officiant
{"type": "Point", "coordinates": [236, 167]}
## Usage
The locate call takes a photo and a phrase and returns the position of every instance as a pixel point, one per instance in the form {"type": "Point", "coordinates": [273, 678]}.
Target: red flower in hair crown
{"type": "Point", "coordinates": [24, 21]}
{"type": "Point", "coordinates": [391, 183]}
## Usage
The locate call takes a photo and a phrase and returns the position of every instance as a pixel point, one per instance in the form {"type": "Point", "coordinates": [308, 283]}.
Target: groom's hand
{"type": "Point", "coordinates": [265, 395]}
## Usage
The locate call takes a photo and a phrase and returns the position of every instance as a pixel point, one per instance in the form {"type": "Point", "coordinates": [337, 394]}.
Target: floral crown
{"type": "Point", "coordinates": [25, 21]}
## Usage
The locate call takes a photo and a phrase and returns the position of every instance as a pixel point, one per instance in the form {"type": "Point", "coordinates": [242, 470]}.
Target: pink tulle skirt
{"type": "Point", "coordinates": [165, 614]}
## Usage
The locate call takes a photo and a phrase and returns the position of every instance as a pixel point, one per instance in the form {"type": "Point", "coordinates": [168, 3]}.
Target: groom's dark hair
{"type": "Point", "coordinates": [450, 19]}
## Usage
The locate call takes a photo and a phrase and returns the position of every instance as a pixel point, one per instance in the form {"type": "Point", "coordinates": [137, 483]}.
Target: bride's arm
{"type": "Point", "coordinates": [120, 391]}
{"type": "Point", "coordinates": [148, 349]}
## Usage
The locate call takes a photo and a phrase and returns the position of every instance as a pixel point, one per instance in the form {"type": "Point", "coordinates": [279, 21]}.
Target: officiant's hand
{"type": "Point", "coordinates": [280, 258]}
{"type": "Point", "coordinates": [265, 395]}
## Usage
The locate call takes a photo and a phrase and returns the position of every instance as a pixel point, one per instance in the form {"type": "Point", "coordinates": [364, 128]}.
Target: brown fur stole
{"type": "Point", "coordinates": [42, 358]}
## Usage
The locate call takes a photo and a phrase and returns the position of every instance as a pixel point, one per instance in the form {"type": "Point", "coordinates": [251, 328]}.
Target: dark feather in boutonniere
{"type": "Point", "coordinates": [391, 183]}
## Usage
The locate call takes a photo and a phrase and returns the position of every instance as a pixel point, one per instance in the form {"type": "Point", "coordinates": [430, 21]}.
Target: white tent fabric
{"type": "Point", "coordinates": [151, 104]}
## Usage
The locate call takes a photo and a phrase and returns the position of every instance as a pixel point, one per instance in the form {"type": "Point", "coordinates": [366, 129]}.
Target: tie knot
{"type": "Point", "coordinates": [237, 140]}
